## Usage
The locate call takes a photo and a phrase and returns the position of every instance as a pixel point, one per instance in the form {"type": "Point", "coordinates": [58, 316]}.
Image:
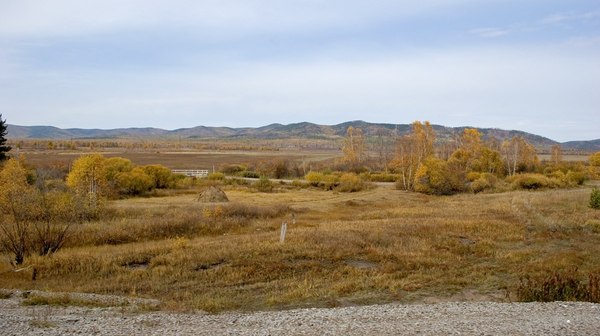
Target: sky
{"type": "Point", "coordinates": [531, 65]}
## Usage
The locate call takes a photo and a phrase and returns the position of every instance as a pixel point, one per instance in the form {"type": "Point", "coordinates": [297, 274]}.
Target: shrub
{"type": "Point", "coordinates": [436, 176]}
{"type": "Point", "coordinates": [560, 286]}
{"type": "Point", "coordinates": [576, 178]}
{"type": "Point", "coordinates": [382, 177]}
{"type": "Point", "coordinates": [350, 183]}
{"type": "Point", "coordinates": [530, 181]}
{"type": "Point", "coordinates": [314, 178]}
{"type": "Point", "coordinates": [299, 184]}
{"type": "Point", "coordinates": [264, 185]}
{"type": "Point", "coordinates": [249, 174]}
{"type": "Point", "coordinates": [134, 182]}
{"type": "Point", "coordinates": [473, 176]}
{"type": "Point", "coordinates": [161, 176]}
{"type": "Point", "coordinates": [216, 176]}
{"type": "Point", "coordinates": [595, 159]}
{"type": "Point", "coordinates": [595, 199]}
{"type": "Point", "coordinates": [233, 169]}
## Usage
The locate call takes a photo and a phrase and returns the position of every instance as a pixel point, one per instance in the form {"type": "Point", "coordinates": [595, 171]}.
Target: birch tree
{"type": "Point", "coordinates": [518, 155]}
{"type": "Point", "coordinates": [411, 150]}
{"type": "Point", "coordinates": [354, 147]}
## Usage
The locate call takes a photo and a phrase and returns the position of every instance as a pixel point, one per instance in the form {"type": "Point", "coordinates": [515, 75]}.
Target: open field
{"type": "Point", "coordinates": [374, 246]}
{"type": "Point", "coordinates": [181, 159]}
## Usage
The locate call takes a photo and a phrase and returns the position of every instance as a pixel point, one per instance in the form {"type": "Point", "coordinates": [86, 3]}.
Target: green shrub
{"type": "Point", "coordinates": [249, 174]}
{"type": "Point", "coordinates": [595, 199]}
{"type": "Point", "coordinates": [264, 184]}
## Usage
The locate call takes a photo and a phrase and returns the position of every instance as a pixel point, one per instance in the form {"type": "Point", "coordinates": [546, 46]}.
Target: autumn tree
{"type": "Point", "coordinates": [87, 179]}
{"type": "Point", "coordinates": [354, 147]}
{"type": "Point", "coordinates": [439, 177]}
{"type": "Point", "coordinates": [3, 132]}
{"type": "Point", "coordinates": [473, 155]}
{"type": "Point", "coordinates": [134, 182]}
{"type": "Point", "coordinates": [31, 219]}
{"type": "Point", "coordinates": [556, 154]}
{"type": "Point", "coordinates": [384, 146]}
{"type": "Point", "coordinates": [161, 176]}
{"type": "Point", "coordinates": [109, 169]}
{"type": "Point", "coordinates": [411, 150]}
{"type": "Point", "coordinates": [519, 155]}
{"type": "Point", "coordinates": [595, 159]}
{"type": "Point", "coordinates": [16, 208]}
{"type": "Point", "coordinates": [58, 211]}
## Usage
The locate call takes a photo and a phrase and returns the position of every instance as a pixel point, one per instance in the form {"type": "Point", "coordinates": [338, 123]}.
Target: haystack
{"type": "Point", "coordinates": [212, 194]}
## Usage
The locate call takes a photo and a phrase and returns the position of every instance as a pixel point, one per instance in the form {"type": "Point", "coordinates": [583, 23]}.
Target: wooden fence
{"type": "Point", "coordinates": [191, 172]}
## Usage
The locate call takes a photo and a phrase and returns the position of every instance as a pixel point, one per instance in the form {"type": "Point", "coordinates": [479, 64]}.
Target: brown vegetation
{"type": "Point", "coordinates": [348, 242]}
{"type": "Point", "coordinates": [373, 246]}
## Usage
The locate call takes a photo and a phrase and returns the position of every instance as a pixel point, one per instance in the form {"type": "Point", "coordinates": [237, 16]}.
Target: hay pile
{"type": "Point", "coordinates": [212, 194]}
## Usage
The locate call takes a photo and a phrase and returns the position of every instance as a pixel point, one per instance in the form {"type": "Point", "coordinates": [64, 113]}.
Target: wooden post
{"type": "Point", "coordinates": [283, 231]}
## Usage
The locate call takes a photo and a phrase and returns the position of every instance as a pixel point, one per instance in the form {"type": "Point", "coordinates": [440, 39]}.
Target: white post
{"type": "Point", "coordinates": [283, 231]}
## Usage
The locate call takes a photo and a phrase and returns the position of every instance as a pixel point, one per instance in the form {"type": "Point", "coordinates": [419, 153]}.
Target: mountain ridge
{"type": "Point", "coordinates": [279, 131]}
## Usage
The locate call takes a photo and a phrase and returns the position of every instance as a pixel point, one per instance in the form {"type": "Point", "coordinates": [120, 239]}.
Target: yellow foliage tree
{"type": "Point", "coordinates": [595, 159]}
{"type": "Point", "coordinates": [88, 175]}
{"type": "Point", "coordinates": [134, 182]}
{"type": "Point", "coordinates": [436, 176]}
{"type": "Point", "coordinates": [475, 156]}
{"type": "Point", "coordinates": [519, 155]}
{"type": "Point", "coordinates": [556, 154]}
{"type": "Point", "coordinates": [161, 176]}
{"type": "Point", "coordinates": [411, 150]}
{"type": "Point", "coordinates": [31, 220]}
{"type": "Point", "coordinates": [354, 147]}
{"type": "Point", "coordinates": [17, 208]}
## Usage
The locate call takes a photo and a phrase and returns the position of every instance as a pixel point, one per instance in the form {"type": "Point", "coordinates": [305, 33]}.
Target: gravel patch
{"type": "Point", "coordinates": [449, 318]}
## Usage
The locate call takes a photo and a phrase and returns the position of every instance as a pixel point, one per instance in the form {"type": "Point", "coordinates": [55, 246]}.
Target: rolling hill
{"type": "Point", "coordinates": [278, 131]}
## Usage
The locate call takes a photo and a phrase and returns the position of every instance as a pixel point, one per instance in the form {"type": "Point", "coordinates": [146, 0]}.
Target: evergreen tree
{"type": "Point", "coordinates": [3, 147]}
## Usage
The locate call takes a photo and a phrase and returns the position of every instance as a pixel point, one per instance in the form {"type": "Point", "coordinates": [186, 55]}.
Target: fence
{"type": "Point", "coordinates": [191, 172]}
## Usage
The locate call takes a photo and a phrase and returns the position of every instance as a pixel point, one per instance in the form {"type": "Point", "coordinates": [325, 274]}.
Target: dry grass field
{"type": "Point", "coordinates": [374, 246]}
{"type": "Point", "coordinates": [179, 159]}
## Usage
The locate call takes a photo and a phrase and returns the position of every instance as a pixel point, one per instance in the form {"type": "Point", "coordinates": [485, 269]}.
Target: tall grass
{"type": "Point", "coordinates": [378, 245]}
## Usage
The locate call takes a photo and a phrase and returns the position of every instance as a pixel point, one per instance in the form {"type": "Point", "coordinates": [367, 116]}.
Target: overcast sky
{"type": "Point", "coordinates": [532, 65]}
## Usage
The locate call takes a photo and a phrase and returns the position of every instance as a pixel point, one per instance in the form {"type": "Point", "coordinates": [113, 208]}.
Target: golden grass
{"type": "Point", "coordinates": [374, 246]}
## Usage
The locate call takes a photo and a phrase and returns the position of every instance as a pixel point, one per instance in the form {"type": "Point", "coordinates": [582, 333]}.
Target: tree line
{"type": "Point", "coordinates": [468, 163]}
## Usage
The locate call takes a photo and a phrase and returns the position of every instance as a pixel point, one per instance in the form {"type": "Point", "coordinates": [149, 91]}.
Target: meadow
{"type": "Point", "coordinates": [373, 246]}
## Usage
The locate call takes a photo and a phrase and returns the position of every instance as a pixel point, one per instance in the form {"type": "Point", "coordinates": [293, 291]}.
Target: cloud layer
{"type": "Point", "coordinates": [528, 65]}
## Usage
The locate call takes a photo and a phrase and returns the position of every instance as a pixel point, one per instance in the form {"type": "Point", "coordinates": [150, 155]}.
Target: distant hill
{"type": "Point", "coordinates": [590, 146]}
{"type": "Point", "coordinates": [278, 131]}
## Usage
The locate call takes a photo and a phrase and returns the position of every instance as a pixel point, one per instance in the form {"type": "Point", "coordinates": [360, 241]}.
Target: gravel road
{"type": "Point", "coordinates": [450, 318]}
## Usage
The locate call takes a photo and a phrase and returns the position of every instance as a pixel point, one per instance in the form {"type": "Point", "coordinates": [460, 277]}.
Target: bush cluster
{"type": "Point", "coordinates": [348, 182]}
{"type": "Point", "coordinates": [263, 185]}
{"type": "Point", "coordinates": [555, 179]}
{"type": "Point", "coordinates": [595, 199]}
{"type": "Point", "coordinates": [481, 181]}
{"type": "Point", "coordinates": [560, 286]}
